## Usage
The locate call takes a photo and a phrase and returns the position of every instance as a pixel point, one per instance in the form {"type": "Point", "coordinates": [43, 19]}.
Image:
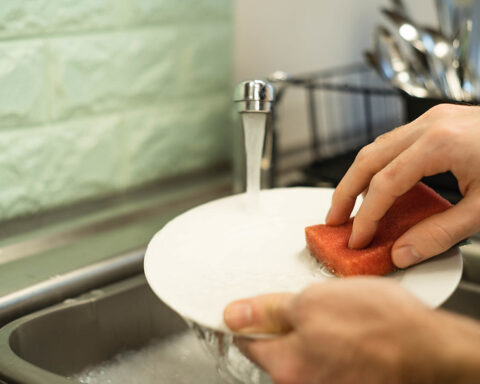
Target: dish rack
{"type": "Point", "coordinates": [347, 108]}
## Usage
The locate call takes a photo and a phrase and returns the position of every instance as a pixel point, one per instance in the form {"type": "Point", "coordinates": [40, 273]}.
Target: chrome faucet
{"type": "Point", "coordinates": [255, 96]}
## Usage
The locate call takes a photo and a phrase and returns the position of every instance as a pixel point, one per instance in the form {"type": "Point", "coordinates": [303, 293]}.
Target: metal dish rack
{"type": "Point", "coordinates": [347, 108]}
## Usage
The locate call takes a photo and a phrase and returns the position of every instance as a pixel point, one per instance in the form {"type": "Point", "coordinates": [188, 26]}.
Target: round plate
{"type": "Point", "coordinates": [239, 247]}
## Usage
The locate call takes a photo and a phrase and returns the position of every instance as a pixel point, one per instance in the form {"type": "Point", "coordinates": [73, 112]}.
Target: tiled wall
{"type": "Point", "coordinates": [97, 96]}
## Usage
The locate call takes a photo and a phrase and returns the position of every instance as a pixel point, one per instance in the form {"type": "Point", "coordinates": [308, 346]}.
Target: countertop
{"type": "Point", "coordinates": [41, 249]}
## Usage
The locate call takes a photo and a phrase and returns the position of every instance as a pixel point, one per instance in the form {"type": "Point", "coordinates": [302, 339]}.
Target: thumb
{"type": "Point", "coordinates": [261, 314]}
{"type": "Point", "coordinates": [437, 233]}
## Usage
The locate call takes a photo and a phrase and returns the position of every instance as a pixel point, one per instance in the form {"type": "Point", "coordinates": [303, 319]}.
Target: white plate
{"type": "Point", "coordinates": [225, 250]}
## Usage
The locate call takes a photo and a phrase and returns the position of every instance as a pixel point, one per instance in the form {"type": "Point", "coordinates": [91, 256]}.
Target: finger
{"type": "Point", "coordinates": [386, 186]}
{"type": "Point", "coordinates": [364, 193]}
{"type": "Point", "coordinates": [437, 233]}
{"type": "Point", "coordinates": [261, 314]}
{"type": "Point", "coordinates": [370, 160]}
{"type": "Point", "coordinates": [262, 352]}
{"type": "Point", "coordinates": [274, 355]}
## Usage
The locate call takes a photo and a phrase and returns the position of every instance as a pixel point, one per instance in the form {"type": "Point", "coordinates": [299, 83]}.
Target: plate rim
{"type": "Point", "coordinates": [149, 257]}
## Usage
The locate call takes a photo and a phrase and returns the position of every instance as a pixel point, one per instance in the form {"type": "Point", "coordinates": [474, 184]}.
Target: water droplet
{"type": "Point", "coordinates": [326, 272]}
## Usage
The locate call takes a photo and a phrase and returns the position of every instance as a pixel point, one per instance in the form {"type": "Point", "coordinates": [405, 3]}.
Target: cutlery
{"type": "Point", "coordinates": [392, 65]}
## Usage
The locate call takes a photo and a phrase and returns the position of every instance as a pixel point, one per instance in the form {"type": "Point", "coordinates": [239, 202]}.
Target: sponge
{"type": "Point", "coordinates": [329, 244]}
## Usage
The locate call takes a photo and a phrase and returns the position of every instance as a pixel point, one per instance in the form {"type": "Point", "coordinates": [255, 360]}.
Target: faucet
{"type": "Point", "coordinates": [254, 97]}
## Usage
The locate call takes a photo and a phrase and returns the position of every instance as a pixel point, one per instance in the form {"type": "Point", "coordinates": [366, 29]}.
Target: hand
{"type": "Point", "coordinates": [357, 330]}
{"type": "Point", "coordinates": [446, 138]}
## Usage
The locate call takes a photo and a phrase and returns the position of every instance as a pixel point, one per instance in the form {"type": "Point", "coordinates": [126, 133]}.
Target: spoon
{"type": "Point", "coordinates": [437, 51]}
{"type": "Point", "coordinates": [412, 45]}
{"type": "Point", "coordinates": [444, 62]}
{"type": "Point", "coordinates": [393, 66]}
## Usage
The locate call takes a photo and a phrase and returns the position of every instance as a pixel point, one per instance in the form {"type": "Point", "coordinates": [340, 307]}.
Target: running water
{"type": "Point", "coordinates": [254, 131]}
{"type": "Point", "coordinates": [232, 366]}
{"type": "Point", "coordinates": [175, 359]}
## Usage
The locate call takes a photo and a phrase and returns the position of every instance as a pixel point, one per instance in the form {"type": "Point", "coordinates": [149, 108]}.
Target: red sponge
{"type": "Point", "coordinates": [329, 244]}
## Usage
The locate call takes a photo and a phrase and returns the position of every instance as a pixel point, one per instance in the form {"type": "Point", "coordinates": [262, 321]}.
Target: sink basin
{"type": "Point", "coordinates": [54, 344]}
{"type": "Point", "coordinates": [466, 298]}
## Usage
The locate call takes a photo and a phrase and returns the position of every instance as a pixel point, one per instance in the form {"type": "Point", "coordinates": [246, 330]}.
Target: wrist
{"type": "Point", "coordinates": [459, 349]}
{"type": "Point", "coordinates": [447, 350]}
{"type": "Point", "coordinates": [439, 347]}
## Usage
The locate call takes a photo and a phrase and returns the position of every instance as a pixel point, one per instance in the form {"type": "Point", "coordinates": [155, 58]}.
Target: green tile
{"type": "Point", "coordinates": [172, 11]}
{"type": "Point", "coordinates": [59, 164]}
{"type": "Point", "coordinates": [98, 96]}
{"type": "Point", "coordinates": [177, 137]}
{"type": "Point", "coordinates": [112, 71]}
{"type": "Point", "coordinates": [37, 17]}
{"type": "Point", "coordinates": [24, 85]}
{"type": "Point", "coordinates": [205, 63]}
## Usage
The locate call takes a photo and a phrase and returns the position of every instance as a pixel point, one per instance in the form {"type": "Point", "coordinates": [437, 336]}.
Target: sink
{"type": "Point", "coordinates": [465, 300]}
{"type": "Point", "coordinates": [56, 343]}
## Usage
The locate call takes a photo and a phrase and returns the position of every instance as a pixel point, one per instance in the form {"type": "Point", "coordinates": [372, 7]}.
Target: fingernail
{"type": "Point", "coordinates": [351, 241]}
{"type": "Point", "coordinates": [328, 216]}
{"type": "Point", "coordinates": [238, 315]}
{"type": "Point", "coordinates": [405, 256]}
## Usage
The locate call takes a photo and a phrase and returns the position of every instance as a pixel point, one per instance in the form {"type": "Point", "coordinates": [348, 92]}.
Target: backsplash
{"type": "Point", "coordinates": [97, 96]}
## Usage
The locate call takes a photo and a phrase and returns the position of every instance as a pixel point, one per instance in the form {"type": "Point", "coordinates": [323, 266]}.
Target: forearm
{"type": "Point", "coordinates": [448, 352]}
{"type": "Point", "coordinates": [460, 349]}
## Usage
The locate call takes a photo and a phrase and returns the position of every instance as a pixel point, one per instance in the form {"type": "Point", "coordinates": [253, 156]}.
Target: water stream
{"type": "Point", "coordinates": [254, 132]}
{"type": "Point", "coordinates": [232, 366]}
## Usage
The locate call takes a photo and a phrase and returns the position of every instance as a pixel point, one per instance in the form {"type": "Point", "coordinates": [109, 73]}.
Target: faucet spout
{"type": "Point", "coordinates": [254, 102]}
{"type": "Point", "coordinates": [254, 96]}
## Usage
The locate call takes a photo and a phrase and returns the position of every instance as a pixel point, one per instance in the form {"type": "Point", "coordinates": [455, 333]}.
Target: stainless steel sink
{"type": "Point", "coordinates": [466, 298]}
{"type": "Point", "coordinates": [53, 344]}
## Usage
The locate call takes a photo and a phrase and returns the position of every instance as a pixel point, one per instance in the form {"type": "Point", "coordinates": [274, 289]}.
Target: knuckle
{"type": "Point", "coordinates": [441, 236]}
{"type": "Point", "coordinates": [388, 174]}
{"type": "Point", "coordinates": [442, 110]}
{"type": "Point", "coordinates": [364, 154]}
{"type": "Point", "coordinates": [442, 130]}
{"type": "Point", "coordinates": [379, 182]}
{"type": "Point", "coordinates": [364, 160]}
{"type": "Point", "coordinates": [382, 137]}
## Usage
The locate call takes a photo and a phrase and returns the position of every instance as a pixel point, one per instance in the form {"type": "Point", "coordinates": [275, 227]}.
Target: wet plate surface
{"type": "Point", "coordinates": [242, 246]}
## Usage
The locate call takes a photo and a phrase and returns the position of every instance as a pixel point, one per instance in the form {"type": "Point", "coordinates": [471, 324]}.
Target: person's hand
{"type": "Point", "coordinates": [446, 138]}
{"type": "Point", "coordinates": [356, 330]}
